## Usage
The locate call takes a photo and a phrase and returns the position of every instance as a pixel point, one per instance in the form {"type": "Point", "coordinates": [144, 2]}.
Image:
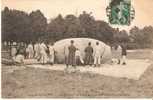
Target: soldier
{"type": "Point", "coordinates": [117, 53]}
{"type": "Point", "coordinates": [78, 57]}
{"type": "Point", "coordinates": [119, 50]}
{"type": "Point", "coordinates": [36, 49]}
{"type": "Point", "coordinates": [71, 54]}
{"type": "Point", "coordinates": [124, 53]}
{"type": "Point", "coordinates": [51, 53]}
{"type": "Point", "coordinates": [30, 50]}
{"type": "Point", "coordinates": [97, 55]}
{"type": "Point", "coordinates": [43, 54]}
{"type": "Point", "coordinates": [13, 51]}
{"type": "Point", "coordinates": [89, 54]}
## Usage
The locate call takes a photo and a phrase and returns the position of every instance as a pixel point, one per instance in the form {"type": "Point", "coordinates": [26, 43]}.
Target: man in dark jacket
{"type": "Point", "coordinates": [71, 54]}
{"type": "Point", "coordinates": [89, 54]}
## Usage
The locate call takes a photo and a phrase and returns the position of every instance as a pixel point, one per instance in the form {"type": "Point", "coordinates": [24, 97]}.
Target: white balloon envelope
{"type": "Point", "coordinates": [61, 48]}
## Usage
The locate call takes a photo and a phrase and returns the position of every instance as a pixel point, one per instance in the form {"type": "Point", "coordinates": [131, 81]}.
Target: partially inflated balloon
{"type": "Point", "coordinates": [61, 48]}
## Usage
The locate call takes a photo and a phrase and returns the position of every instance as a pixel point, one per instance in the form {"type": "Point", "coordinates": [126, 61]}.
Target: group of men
{"type": "Point", "coordinates": [41, 51]}
{"type": "Point", "coordinates": [93, 56]}
{"type": "Point", "coordinates": [119, 52]}
{"type": "Point", "coordinates": [45, 53]}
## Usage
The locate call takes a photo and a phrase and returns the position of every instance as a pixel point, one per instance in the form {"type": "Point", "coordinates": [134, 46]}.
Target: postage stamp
{"type": "Point", "coordinates": [120, 12]}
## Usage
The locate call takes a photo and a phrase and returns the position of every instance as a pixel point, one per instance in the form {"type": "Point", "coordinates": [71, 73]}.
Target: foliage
{"type": "Point", "coordinates": [142, 37]}
{"type": "Point", "coordinates": [22, 27]}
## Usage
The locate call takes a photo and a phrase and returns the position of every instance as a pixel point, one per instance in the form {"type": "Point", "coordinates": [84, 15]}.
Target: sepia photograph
{"type": "Point", "coordinates": [76, 49]}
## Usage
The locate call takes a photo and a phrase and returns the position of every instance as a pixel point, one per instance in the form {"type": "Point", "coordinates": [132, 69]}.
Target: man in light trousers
{"type": "Point", "coordinates": [43, 58]}
{"type": "Point", "coordinates": [51, 53]}
{"type": "Point", "coordinates": [97, 55]}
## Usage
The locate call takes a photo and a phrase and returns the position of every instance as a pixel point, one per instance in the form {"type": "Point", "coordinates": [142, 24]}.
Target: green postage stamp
{"type": "Point", "coordinates": [120, 12]}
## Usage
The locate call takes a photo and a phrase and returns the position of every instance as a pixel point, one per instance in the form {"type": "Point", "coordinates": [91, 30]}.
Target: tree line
{"type": "Point", "coordinates": [20, 26]}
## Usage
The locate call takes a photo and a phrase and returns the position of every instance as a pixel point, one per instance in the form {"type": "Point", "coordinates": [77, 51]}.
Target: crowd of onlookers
{"type": "Point", "coordinates": [45, 53]}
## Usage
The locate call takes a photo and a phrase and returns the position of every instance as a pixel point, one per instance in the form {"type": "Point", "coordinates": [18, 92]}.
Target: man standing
{"type": "Point", "coordinates": [36, 49]}
{"type": "Point", "coordinates": [89, 54]}
{"type": "Point", "coordinates": [13, 51]}
{"type": "Point", "coordinates": [117, 53]}
{"type": "Point", "coordinates": [78, 57]}
{"type": "Point", "coordinates": [43, 53]}
{"type": "Point", "coordinates": [124, 53]}
{"type": "Point", "coordinates": [30, 51]}
{"type": "Point", "coordinates": [71, 54]}
{"type": "Point", "coordinates": [97, 55]}
{"type": "Point", "coordinates": [51, 53]}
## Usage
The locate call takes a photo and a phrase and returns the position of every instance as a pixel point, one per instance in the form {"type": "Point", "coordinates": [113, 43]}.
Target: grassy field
{"type": "Point", "coordinates": [35, 83]}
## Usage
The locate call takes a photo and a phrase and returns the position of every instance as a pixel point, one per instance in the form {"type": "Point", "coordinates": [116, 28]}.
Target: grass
{"type": "Point", "coordinates": [35, 83]}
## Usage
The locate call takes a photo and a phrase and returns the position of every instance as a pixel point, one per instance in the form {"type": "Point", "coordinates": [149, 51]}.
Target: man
{"type": "Point", "coordinates": [117, 53]}
{"type": "Point", "coordinates": [97, 55]}
{"type": "Point", "coordinates": [51, 53]}
{"type": "Point", "coordinates": [89, 54]}
{"type": "Point", "coordinates": [30, 50]}
{"type": "Point", "coordinates": [78, 57]}
{"type": "Point", "coordinates": [43, 54]}
{"type": "Point", "coordinates": [38, 52]}
{"type": "Point", "coordinates": [26, 51]}
{"type": "Point", "coordinates": [13, 51]}
{"type": "Point", "coordinates": [71, 54]}
{"type": "Point", "coordinates": [36, 49]}
{"type": "Point", "coordinates": [119, 50]}
{"type": "Point", "coordinates": [124, 53]}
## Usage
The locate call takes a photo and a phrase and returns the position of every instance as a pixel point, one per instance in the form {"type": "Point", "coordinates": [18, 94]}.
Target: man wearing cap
{"type": "Point", "coordinates": [97, 55]}
{"type": "Point", "coordinates": [71, 54]}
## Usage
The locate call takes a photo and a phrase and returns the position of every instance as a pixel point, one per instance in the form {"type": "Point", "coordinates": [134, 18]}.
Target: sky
{"type": "Point", "coordinates": [51, 8]}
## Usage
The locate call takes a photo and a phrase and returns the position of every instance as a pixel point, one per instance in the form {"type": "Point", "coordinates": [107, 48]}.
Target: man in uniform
{"type": "Point", "coordinates": [43, 54]}
{"type": "Point", "coordinates": [124, 53]}
{"type": "Point", "coordinates": [89, 54]}
{"type": "Point", "coordinates": [71, 54]}
{"type": "Point", "coordinates": [51, 53]}
{"type": "Point", "coordinates": [30, 50]}
{"type": "Point", "coordinates": [97, 55]}
{"type": "Point", "coordinates": [78, 57]}
{"type": "Point", "coordinates": [36, 49]}
{"type": "Point", "coordinates": [13, 51]}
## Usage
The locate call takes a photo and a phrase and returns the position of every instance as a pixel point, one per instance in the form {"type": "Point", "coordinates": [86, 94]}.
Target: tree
{"type": "Point", "coordinates": [38, 24]}
{"type": "Point", "coordinates": [73, 28]}
{"type": "Point", "coordinates": [148, 35]}
{"type": "Point", "coordinates": [103, 31]}
{"type": "Point", "coordinates": [56, 28]}
{"type": "Point", "coordinates": [6, 27]}
{"type": "Point", "coordinates": [142, 37]}
{"type": "Point", "coordinates": [15, 25]}
{"type": "Point", "coordinates": [19, 26]}
{"type": "Point", "coordinates": [87, 23]}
